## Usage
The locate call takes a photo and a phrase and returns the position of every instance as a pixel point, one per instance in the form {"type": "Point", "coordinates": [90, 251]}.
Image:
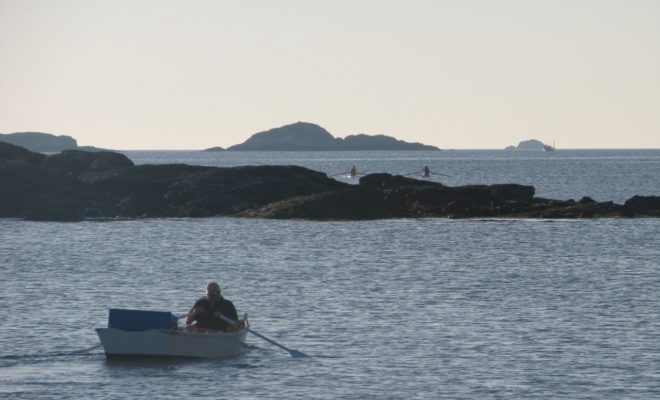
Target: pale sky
{"type": "Point", "coordinates": [167, 74]}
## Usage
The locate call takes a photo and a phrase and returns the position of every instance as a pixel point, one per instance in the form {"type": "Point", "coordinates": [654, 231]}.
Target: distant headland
{"type": "Point", "coordinates": [305, 136]}
{"type": "Point", "coordinates": [44, 142]}
{"type": "Point", "coordinates": [75, 185]}
{"type": "Point", "coordinates": [300, 136]}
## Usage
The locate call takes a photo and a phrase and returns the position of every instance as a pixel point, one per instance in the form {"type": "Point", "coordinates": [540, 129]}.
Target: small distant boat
{"type": "Point", "coordinates": [156, 333]}
{"type": "Point", "coordinates": [547, 147]}
{"type": "Point", "coordinates": [426, 172]}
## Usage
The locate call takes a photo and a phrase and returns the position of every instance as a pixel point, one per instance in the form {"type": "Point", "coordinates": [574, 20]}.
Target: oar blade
{"type": "Point", "coordinates": [298, 354]}
{"type": "Point", "coordinates": [294, 353]}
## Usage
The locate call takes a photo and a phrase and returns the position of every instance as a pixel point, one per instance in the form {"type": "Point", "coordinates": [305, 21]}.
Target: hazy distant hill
{"type": "Point", "coordinates": [531, 144]}
{"type": "Point", "coordinates": [44, 142]}
{"type": "Point", "coordinates": [305, 136]}
{"type": "Point", "coordinates": [379, 142]}
{"type": "Point", "coordinates": [298, 136]}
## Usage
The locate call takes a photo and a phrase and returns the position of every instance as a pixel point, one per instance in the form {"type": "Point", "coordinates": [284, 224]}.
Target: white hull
{"type": "Point", "coordinates": [171, 343]}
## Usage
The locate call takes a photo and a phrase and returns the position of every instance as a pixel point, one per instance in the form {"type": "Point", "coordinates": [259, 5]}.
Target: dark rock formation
{"type": "Point", "coordinates": [216, 148]}
{"type": "Point", "coordinates": [303, 136]}
{"type": "Point", "coordinates": [586, 200]}
{"type": "Point", "coordinates": [11, 154]}
{"type": "Point", "coordinates": [194, 191]}
{"type": "Point", "coordinates": [75, 185]}
{"type": "Point", "coordinates": [30, 190]}
{"type": "Point", "coordinates": [44, 142]}
{"type": "Point", "coordinates": [78, 161]}
{"type": "Point", "coordinates": [642, 206]}
{"type": "Point", "coordinates": [388, 196]}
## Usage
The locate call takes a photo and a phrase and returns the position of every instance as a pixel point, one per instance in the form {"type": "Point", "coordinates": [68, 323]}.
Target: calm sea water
{"type": "Point", "coordinates": [431, 308]}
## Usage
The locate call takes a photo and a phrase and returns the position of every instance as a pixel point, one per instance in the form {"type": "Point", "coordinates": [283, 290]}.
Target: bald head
{"type": "Point", "coordinates": [213, 291]}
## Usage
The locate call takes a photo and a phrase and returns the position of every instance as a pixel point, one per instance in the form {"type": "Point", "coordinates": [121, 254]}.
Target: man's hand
{"type": "Point", "coordinates": [194, 313]}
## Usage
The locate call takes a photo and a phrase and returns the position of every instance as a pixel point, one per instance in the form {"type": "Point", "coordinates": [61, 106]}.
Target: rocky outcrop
{"type": "Point", "coordinates": [78, 161]}
{"type": "Point", "coordinates": [642, 206]}
{"type": "Point", "coordinates": [75, 185]}
{"type": "Point", "coordinates": [388, 196]}
{"type": "Point", "coordinates": [304, 136]}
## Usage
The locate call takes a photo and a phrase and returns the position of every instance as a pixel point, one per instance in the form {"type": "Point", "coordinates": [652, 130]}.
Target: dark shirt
{"type": "Point", "coordinates": [207, 320]}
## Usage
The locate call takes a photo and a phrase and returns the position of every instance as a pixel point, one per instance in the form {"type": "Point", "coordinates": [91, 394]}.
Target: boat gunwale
{"type": "Point", "coordinates": [209, 334]}
{"type": "Point", "coordinates": [212, 338]}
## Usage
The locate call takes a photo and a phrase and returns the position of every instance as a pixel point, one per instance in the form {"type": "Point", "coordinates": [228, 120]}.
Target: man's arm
{"type": "Point", "coordinates": [195, 312]}
{"type": "Point", "coordinates": [231, 311]}
{"type": "Point", "coordinates": [192, 315]}
{"type": "Point", "coordinates": [227, 309]}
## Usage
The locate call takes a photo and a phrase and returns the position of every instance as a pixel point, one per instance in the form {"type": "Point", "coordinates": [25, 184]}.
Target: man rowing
{"type": "Point", "coordinates": [426, 171]}
{"type": "Point", "coordinates": [209, 310]}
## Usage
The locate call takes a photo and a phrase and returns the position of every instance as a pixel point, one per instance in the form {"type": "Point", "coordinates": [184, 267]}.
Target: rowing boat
{"type": "Point", "coordinates": [156, 333]}
{"type": "Point", "coordinates": [172, 343]}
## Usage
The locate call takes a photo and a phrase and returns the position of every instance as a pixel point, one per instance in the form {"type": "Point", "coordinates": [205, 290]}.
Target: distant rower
{"type": "Point", "coordinates": [427, 171]}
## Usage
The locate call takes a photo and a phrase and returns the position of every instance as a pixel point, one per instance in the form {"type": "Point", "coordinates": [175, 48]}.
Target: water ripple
{"type": "Point", "coordinates": [386, 309]}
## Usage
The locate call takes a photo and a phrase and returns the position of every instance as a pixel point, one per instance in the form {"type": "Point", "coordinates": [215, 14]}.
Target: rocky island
{"type": "Point", "coordinates": [530, 145]}
{"type": "Point", "coordinates": [74, 185]}
{"type": "Point", "coordinates": [304, 136]}
{"type": "Point", "coordinates": [44, 142]}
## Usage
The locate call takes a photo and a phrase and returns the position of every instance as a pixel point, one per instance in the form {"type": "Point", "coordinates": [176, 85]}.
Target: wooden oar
{"type": "Point", "coordinates": [347, 174]}
{"type": "Point", "coordinates": [435, 173]}
{"type": "Point", "coordinates": [341, 173]}
{"type": "Point", "coordinates": [294, 353]}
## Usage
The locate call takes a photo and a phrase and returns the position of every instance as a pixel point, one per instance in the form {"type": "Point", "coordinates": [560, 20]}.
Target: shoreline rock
{"type": "Point", "coordinates": [76, 185]}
